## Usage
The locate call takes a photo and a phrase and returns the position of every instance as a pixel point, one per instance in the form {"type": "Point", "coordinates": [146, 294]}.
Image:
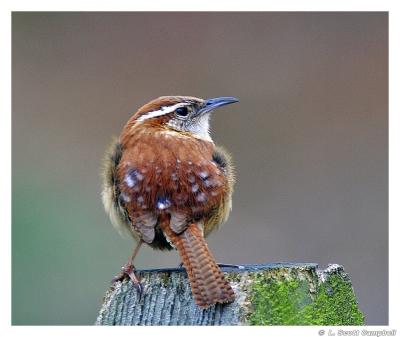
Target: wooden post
{"type": "Point", "coordinates": [271, 294]}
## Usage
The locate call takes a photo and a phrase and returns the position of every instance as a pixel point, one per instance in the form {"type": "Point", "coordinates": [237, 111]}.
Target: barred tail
{"type": "Point", "coordinates": [207, 281]}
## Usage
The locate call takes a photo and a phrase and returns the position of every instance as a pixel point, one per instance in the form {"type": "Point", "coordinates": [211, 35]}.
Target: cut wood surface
{"type": "Point", "coordinates": [270, 294]}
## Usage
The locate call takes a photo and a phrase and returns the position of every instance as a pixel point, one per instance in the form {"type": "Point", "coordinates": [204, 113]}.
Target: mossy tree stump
{"type": "Point", "coordinates": [272, 294]}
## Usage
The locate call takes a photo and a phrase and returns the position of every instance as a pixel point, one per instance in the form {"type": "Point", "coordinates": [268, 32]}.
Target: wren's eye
{"type": "Point", "coordinates": [182, 111]}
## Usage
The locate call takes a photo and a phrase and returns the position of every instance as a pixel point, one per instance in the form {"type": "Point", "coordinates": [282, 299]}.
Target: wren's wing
{"type": "Point", "coordinates": [136, 201]}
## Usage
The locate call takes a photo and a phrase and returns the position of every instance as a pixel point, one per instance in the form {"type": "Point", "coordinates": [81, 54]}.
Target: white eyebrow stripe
{"type": "Point", "coordinates": [163, 111]}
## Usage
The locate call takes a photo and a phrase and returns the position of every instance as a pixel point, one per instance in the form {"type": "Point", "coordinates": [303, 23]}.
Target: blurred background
{"type": "Point", "coordinates": [309, 139]}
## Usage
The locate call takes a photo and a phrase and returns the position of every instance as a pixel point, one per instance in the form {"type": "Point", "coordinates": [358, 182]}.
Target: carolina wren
{"type": "Point", "coordinates": [166, 182]}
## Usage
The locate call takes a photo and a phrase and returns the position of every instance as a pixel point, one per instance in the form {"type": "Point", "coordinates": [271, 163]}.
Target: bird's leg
{"type": "Point", "coordinates": [129, 269]}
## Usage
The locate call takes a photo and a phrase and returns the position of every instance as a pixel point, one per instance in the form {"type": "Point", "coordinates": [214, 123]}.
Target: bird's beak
{"type": "Point", "coordinates": [213, 103]}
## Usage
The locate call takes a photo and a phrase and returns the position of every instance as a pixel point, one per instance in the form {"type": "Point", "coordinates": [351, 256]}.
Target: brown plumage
{"type": "Point", "coordinates": [170, 186]}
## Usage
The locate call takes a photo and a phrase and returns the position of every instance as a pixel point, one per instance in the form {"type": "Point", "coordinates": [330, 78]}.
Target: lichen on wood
{"type": "Point", "coordinates": [325, 298]}
{"type": "Point", "coordinates": [272, 294]}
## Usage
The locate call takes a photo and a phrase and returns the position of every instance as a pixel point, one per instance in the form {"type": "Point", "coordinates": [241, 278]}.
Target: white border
{"type": "Point", "coordinates": [394, 163]}
{"type": "Point", "coordinates": [5, 175]}
{"type": "Point", "coordinates": [205, 5]}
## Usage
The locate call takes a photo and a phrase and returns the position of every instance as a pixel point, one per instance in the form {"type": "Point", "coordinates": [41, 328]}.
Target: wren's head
{"type": "Point", "coordinates": [181, 113]}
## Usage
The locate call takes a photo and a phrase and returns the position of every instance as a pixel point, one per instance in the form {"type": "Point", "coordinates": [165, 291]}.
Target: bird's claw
{"type": "Point", "coordinates": [128, 270]}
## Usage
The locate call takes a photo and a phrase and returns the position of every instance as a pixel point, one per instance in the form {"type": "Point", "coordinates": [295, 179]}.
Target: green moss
{"type": "Point", "coordinates": [289, 301]}
{"type": "Point", "coordinates": [165, 278]}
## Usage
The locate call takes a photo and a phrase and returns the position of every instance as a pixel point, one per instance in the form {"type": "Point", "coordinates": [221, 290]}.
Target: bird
{"type": "Point", "coordinates": [167, 184]}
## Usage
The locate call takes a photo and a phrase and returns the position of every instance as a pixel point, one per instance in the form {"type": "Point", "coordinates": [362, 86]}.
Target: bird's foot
{"type": "Point", "coordinates": [128, 270]}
